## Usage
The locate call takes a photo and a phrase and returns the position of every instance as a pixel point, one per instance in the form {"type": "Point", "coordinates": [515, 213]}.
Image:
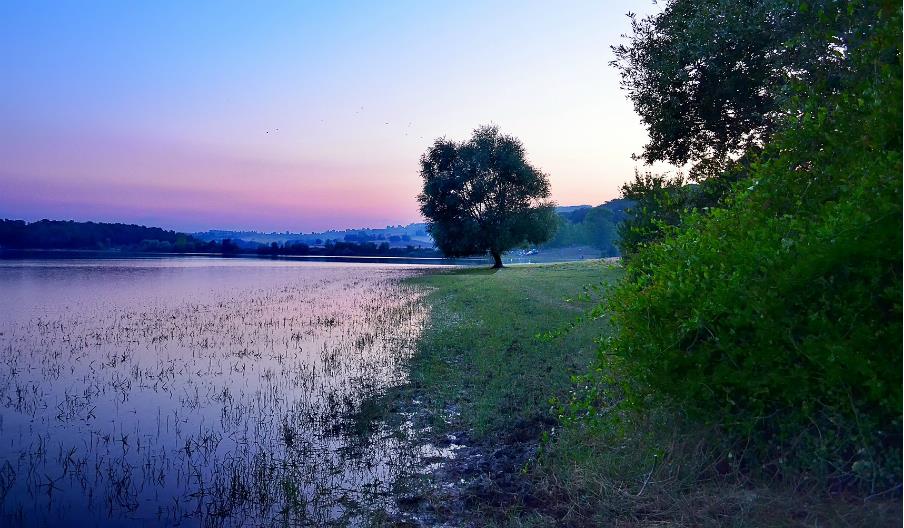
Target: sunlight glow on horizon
{"type": "Point", "coordinates": [297, 117]}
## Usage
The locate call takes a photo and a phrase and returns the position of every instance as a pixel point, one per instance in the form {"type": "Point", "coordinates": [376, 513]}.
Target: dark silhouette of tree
{"type": "Point", "coordinates": [483, 196]}
{"type": "Point", "coordinates": [228, 247]}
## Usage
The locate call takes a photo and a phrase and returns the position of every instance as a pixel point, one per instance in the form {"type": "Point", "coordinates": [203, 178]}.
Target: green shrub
{"type": "Point", "coordinates": [778, 315]}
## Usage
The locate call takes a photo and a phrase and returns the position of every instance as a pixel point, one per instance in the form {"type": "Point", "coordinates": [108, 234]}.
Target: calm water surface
{"type": "Point", "coordinates": [181, 391]}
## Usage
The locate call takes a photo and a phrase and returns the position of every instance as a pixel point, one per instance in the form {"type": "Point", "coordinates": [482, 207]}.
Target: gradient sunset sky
{"type": "Point", "coordinates": [296, 116]}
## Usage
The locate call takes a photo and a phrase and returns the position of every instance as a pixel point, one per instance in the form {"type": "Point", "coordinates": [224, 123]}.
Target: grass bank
{"type": "Point", "coordinates": [482, 375]}
{"type": "Point", "coordinates": [480, 363]}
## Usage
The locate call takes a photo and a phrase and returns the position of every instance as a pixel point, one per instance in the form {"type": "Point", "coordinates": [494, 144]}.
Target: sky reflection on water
{"type": "Point", "coordinates": [189, 391]}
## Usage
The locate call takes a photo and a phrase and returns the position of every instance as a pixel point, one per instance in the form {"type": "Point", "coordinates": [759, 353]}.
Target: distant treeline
{"type": "Point", "coordinates": [588, 226]}
{"type": "Point", "coordinates": [592, 226]}
{"type": "Point", "coordinates": [364, 236]}
{"type": "Point", "coordinates": [340, 248]}
{"type": "Point", "coordinates": [67, 234]}
{"type": "Point", "coordinates": [71, 235]}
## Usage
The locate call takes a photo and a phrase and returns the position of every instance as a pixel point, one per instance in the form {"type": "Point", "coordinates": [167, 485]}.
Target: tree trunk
{"type": "Point", "coordinates": [497, 259]}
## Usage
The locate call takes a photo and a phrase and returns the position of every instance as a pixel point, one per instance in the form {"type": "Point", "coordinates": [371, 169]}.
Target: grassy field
{"type": "Point", "coordinates": [484, 371]}
{"type": "Point", "coordinates": [482, 357]}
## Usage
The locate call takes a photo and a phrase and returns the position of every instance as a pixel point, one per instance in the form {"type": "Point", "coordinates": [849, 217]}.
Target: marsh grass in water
{"type": "Point", "coordinates": [197, 392]}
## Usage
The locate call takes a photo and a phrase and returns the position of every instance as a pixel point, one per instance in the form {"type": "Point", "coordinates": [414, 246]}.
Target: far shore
{"type": "Point", "coordinates": [510, 260]}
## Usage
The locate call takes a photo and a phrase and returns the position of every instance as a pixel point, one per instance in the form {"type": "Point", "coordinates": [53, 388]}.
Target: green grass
{"type": "Point", "coordinates": [481, 358]}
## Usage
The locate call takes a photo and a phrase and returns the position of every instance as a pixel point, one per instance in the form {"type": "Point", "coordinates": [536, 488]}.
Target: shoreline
{"type": "Point", "coordinates": [111, 254]}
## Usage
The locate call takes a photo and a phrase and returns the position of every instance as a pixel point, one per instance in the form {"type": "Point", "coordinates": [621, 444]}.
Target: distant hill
{"type": "Point", "coordinates": [579, 225]}
{"type": "Point", "coordinates": [399, 236]}
{"type": "Point", "coordinates": [564, 209]}
{"type": "Point", "coordinates": [617, 207]}
{"type": "Point", "coordinates": [597, 227]}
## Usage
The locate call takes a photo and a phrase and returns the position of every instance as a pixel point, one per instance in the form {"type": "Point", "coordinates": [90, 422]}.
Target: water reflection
{"type": "Point", "coordinates": [195, 391]}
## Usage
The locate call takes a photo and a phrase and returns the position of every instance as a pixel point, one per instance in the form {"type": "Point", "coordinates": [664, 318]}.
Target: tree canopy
{"type": "Point", "coordinates": [483, 196]}
{"type": "Point", "coordinates": [712, 78]}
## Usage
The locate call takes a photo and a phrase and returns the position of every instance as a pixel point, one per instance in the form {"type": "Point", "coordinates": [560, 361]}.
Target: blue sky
{"type": "Point", "coordinates": [296, 115]}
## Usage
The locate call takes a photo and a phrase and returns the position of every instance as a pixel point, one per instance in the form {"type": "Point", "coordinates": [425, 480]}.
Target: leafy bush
{"type": "Point", "coordinates": [658, 203]}
{"type": "Point", "coordinates": [778, 314]}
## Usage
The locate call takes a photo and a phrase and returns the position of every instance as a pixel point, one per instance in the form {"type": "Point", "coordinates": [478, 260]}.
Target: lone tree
{"type": "Point", "coordinates": [483, 196]}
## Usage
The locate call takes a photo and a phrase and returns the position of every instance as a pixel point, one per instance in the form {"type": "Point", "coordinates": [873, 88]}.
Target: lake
{"type": "Point", "coordinates": [197, 391]}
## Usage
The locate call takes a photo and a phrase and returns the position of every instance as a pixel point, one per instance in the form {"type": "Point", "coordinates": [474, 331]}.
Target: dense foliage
{"type": "Point", "coordinates": [713, 80]}
{"type": "Point", "coordinates": [776, 313]}
{"type": "Point", "coordinates": [483, 196]}
{"type": "Point", "coordinates": [659, 202]}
